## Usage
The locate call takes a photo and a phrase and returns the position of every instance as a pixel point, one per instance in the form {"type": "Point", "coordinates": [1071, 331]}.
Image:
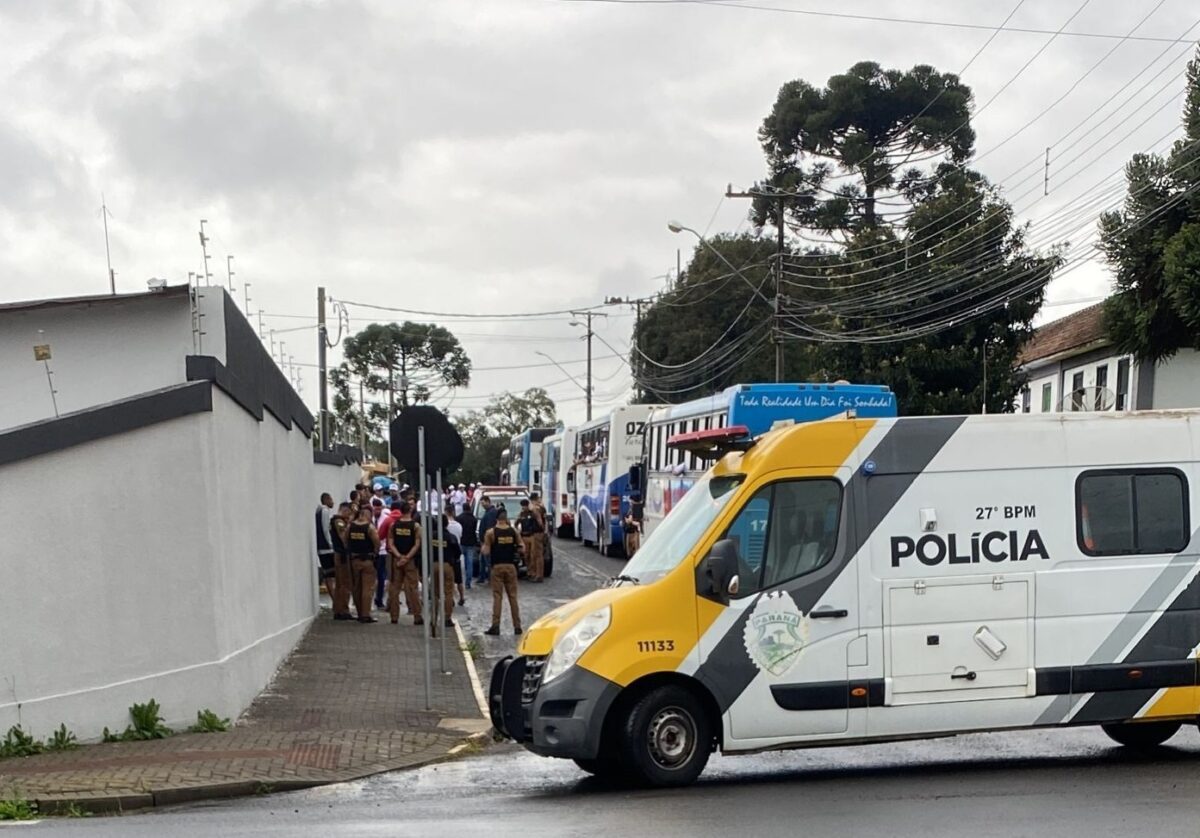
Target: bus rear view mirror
{"type": "Point", "coordinates": [721, 569]}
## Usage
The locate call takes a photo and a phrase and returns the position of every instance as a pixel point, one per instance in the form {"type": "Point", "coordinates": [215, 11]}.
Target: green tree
{"type": "Point", "coordinates": [845, 150]}
{"type": "Point", "coordinates": [487, 432]}
{"type": "Point", "coordinates": [1153, 245]}
{"type": "Point", "coordinates": [912, 297]}
{"type": "Point", "coordinates": [714, 315]}
{"type": "Point", "coordinates": [406, 362]}
{"type": "Point", "coordinates": [959, 253]}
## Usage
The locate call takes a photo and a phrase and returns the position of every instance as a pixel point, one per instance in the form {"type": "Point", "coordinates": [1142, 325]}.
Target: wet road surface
{"type": "Point", "coordinates": [1035, 783]}
{"type": "Point", "coordinates": [1053, 783]}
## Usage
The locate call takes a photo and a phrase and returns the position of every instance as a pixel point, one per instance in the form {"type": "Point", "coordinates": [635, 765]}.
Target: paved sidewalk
{"type": "Point", "coordinates": [348, 702]}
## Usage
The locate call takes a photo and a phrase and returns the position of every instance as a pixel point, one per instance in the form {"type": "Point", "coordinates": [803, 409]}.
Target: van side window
{"type": "Point", "coordinates": [1125, 512]}
{"type": "Point", "coordinates": [786, 530]}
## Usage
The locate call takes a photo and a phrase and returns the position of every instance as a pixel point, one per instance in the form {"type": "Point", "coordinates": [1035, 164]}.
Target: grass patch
{"type": "Point", "coordinates": [17, 810]}
{"type": "Point", "coordinates": [18, 743]}
{"type": "Point", "coordinates": [209, 722]}
{"type": "Point", "coordinates": [473, 648]}
{"type": "Point", "coordinates": [62, 740]}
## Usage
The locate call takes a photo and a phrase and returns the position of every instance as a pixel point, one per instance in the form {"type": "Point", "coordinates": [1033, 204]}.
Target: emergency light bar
{"type": "Point", "coordinates": [713, 444]}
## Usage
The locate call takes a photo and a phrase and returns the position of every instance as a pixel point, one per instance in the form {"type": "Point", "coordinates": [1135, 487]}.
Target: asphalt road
{"type": "Point", "coordinates": [1035, 783]}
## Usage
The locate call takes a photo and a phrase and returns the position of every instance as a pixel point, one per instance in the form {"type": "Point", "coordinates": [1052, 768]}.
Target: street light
{"type": "Point", "coordinates": [676, 227]}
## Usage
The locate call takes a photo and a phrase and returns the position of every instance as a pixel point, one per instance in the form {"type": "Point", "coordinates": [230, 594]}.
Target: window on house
{"type": "Point", "coordinates": [1077, 391]}
{"type": "Point", "coordinates": [1101, 388]}
{"type": "Point", "coordinates": [1025, 399]}
{"type": "Point", "coordinates": [1123, 384]}
{"type": "Point", "coordinates": [1131, 512]}
{"type": "Point", "coordinates": [1047, 397]}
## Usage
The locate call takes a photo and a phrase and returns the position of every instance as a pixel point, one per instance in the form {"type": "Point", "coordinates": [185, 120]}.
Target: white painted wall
{"type": "Point", "coordinates": [102, 352]}
{"type": "Point", "coordinates": [1177, 381]}
{"type": "Point", "coordinates": [184, 573]}
{"type": "Point", "coordinates": [339, 481]}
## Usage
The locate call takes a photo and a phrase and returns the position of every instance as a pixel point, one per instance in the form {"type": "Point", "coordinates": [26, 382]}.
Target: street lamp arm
{"type": "Point", "coordinates": [564, 371]}
{"type": "Point", "coordinates": [676, 227]}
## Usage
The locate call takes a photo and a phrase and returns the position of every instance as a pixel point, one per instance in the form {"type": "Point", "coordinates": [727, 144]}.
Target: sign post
{"type": "Point", "coordinates": [424, 507]}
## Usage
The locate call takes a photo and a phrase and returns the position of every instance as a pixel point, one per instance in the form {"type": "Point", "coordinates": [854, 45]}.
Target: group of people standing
{"type": "Point", "coordinates": [374, 540]}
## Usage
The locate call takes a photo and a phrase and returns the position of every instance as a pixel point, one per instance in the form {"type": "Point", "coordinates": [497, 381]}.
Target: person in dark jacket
{"type": "Point", "coordinates": [488, 521]}
{"type": "Point", "coordinates": [469, 543]}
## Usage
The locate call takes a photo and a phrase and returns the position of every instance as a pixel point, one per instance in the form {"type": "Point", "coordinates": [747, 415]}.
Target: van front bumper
{"type": "Point", "coordinates": [561, 719]}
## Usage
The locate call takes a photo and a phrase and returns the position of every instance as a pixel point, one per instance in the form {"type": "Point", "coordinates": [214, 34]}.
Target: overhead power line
{"type": "Point", "coordinates": [947, 24]}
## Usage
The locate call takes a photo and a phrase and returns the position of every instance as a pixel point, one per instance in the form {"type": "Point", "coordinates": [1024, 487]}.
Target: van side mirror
{"type": "Point", "coordinates": [721, 569]}
{"type": "Point", "coordinates": [636, 475]}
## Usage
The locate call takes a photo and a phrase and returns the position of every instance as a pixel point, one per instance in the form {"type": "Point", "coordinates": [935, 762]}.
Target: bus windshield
{"type": "Point", "coordinates": [670, 542]}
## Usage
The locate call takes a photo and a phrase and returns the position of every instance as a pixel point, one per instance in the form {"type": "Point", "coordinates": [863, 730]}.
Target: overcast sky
{"type": "Point", "coordinates": [493, 156]}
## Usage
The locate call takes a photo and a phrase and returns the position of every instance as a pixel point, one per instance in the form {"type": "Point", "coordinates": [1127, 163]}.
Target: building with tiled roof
{"type": "Point", "coordinates": [1072, 365]}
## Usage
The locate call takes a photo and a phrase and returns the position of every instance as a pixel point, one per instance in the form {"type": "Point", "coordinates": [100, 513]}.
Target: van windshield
{"type": "Point", "coordinates": [666, 547]}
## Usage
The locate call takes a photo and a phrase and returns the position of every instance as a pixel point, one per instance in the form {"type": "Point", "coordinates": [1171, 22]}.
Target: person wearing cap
{"type": "Point", "coordinates": [531, 536]}
{"type": "Point", "coordinates": [459, 499]}
{"type": "Point", "coordinates": [501, 546]}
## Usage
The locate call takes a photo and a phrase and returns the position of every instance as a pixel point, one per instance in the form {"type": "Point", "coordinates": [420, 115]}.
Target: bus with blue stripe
{"type": "Point", "coordinates": [606, 449]}
{"type": "Point", "coordinates": [668, 472]}
{"type": "Point", "coordinates": [522, 466]}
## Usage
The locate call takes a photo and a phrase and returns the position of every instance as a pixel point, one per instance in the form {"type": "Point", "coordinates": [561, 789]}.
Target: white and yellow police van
{"type": "Point", "coordinates": [853, 580]}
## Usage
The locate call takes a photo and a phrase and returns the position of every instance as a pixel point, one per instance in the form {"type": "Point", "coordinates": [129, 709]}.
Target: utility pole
{"type": "Point", "coordinates": [636, 304]}
{"type": "Point", "coordinates": [112, 277]}
{"type": "Point", "coordinates": [362, 423]}
{"type": "Point", "coordinates": [322, 371]}
{"type": "Point", "coordinates": [229, 273]}
{"type": "Point", "coordinates": [776, 332]}
{"type": "Point", "coordinates": [588, 315]}
{"type": "Point", "coordinates": [204, 250]}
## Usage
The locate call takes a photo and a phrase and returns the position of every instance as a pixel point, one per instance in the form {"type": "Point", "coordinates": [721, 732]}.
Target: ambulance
{"type": "Point", "coordinates": [863, 580]}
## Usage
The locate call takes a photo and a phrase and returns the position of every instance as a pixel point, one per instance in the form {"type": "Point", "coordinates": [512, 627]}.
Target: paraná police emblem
{"type": "Point", "coordinates": [776, 633]}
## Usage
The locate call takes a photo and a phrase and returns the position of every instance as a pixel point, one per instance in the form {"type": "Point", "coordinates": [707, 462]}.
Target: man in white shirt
{"type": "Point", "coordinates": [459, 499]}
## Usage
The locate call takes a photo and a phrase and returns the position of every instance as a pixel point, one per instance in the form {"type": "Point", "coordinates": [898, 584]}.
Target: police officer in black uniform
{"type": "Point", "coordinates": [404, 548]}
{"type": "Point", "coordinates": [362, 543]}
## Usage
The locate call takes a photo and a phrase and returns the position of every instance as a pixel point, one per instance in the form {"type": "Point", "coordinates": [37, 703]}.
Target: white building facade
{"type": "Point", "coordinates": [1073, 366]}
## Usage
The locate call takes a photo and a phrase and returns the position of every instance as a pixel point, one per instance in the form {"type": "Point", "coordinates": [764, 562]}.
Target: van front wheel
{"type": "Point", "coordinates": [1141, 734]}
{"type": "Point", "coordinates": [667, 737]}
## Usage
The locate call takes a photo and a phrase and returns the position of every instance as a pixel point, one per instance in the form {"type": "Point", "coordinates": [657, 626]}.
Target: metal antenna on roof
{"type": "Point", "coordinates": [112, 277]}
{"type": "Point", "coordinates": [204, 249]}
{"type": "Point", "coordinates": [229, 273]}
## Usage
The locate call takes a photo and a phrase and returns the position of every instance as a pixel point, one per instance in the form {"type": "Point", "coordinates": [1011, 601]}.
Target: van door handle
{"type": "Point", "coordinates": [829, 614]}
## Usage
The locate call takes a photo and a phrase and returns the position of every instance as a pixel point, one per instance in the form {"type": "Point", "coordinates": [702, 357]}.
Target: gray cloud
{"type": "Point", "coordinates": [472, 155]}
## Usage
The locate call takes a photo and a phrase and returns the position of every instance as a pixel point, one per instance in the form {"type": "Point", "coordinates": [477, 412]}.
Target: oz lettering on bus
{"type": "Point", "coordinates": [995, 546]}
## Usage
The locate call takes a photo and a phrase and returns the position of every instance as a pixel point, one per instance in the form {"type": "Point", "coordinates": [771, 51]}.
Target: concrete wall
{"type": "Point", "coordinates": [337, 480]}
{"type": "Point", "coordinates": [1177, 381]}
{"type": "Point", "coordinates": [102, 351]}
{"type": "Point", "coordinates": [178, 568]}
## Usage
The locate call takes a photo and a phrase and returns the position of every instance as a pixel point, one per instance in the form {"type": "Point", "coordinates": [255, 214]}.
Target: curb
{"type": "Point", "coordinates": [126, 802]}
{"type": "Point", "coordinates": [472, 673]}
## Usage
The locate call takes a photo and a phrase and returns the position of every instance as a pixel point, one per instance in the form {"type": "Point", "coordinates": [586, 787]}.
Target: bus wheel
{"type": "Point", "coordinates": [1141, 734]}
{"type": "Point", "coordinates": [667, 737]}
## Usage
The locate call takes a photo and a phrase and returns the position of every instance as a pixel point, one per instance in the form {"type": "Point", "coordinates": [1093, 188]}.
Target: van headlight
{"type": "Point", "coordinates": [575, 641]}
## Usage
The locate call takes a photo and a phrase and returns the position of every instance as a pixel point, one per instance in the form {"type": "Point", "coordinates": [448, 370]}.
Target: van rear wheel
{"type": "Point", "coordinates": [1141, 734]}
{"type": "Point", "coordinates": [666, 739]}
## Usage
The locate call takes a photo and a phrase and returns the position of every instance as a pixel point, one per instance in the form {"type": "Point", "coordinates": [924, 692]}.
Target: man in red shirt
{"type": "Point", "coordinates": [384, 527]}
